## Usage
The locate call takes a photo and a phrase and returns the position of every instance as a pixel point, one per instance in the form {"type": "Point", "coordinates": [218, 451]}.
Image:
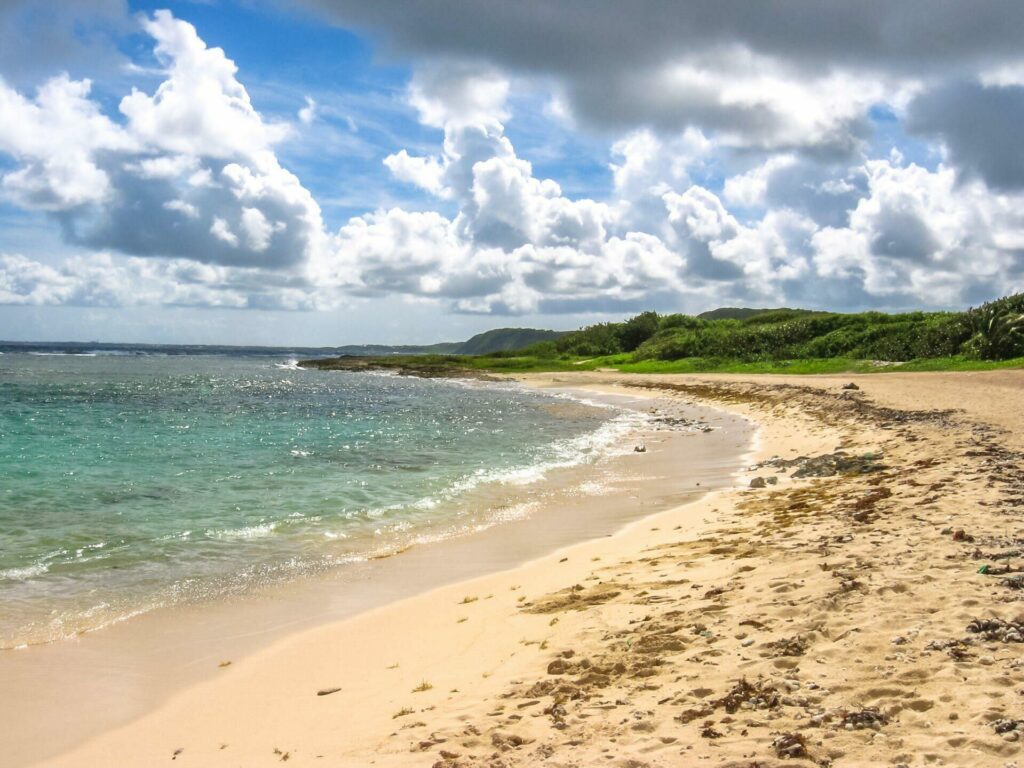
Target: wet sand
{"type": "Point", "coordinates": [58, 696]}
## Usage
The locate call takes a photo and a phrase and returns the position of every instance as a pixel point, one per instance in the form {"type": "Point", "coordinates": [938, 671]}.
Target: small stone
{"type": "Point", "coordinates": [758, 482]}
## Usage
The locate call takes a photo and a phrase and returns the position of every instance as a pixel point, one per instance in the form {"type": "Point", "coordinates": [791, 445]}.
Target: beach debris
{"type": "Point", "coordinates": [1006, 725]}
{"type": "Point", "coordinates": [507, 741]}
{"type": "Point", "coordinates": [327, 691]}
{"type": "Point", "coordinates": [575, 598]}
{"type": "Point", "coordinates": [640, 448]}
{"type": "Point", "coordinates": [747, 695]}
{"type": "Point", "coordinates": [828, 464]}
{"type": "Point", "coordinates": [961, 535]}
{"type": "Point", "coordinates": [998, 629]}
{"type": "Point", "coordinates": [423, 686]}
{"type": "Point", "coordinates": [979, 555]}
{"type": "Point", "coordinates": [432, 741]}
{"type": "Point", "coordinates": [1014, 582]}
{"type": "Point", "coordinates": [864, 507]}
{"type": "Point", "coordinates": [224, 664]}
{"type": "Point", "coordinates": [689, 715]}
{"type": "Point", "coordinates": [958, 650]}
{"type": "Point", "coordinates": [283, 756]}
{"type": "Point", "coordinates": [869, 717]}
{"type": "Point", "coordinates": [177, 752]}
{"type": "Point", "coordinates": [709, 732]}
{"type": "Point", "coordinates": [758, 482]}
{"type": "Point", "coordinates": [850, 385]}
{"type": "Point", "coordinates": [787, 646]}
{"type": "Point", "coordinates": [787, 745]}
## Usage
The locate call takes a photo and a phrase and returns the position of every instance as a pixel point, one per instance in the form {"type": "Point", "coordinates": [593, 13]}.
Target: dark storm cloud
{"type": "Point", "coordinates": [586, 36]}
{"type": "Point", "coordinates": [666, 64]}
{"type": "Point", "coordinates": [41, 38]}
{"type": "Point", "coordinates": [981, 126]}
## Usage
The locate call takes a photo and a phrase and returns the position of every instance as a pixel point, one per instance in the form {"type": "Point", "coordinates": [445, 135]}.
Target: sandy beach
{"type": "Point", "coordinates": [851, 600]}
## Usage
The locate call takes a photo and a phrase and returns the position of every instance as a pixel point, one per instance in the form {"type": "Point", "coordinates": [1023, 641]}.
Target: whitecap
{"type": "Point", "coordinates": [24, 574]}
{"type": "Point", "coordinates": [248, 532]}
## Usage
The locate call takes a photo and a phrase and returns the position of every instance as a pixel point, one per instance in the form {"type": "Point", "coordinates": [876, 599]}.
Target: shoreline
{"type": "Point", "coordinates": [830, 618]}
{"type": "Point", "coordinates": [150, 658]}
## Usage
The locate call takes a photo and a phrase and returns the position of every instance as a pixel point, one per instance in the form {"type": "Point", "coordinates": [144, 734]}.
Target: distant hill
{"type": "Point", "coordinates": [488, 342]}
{"type": "Point", "coordinates": [374, 350]}
{"type": "Point", "coordinates": [744, 313]}
{"type": "Point", "coordinates": [505, 339]}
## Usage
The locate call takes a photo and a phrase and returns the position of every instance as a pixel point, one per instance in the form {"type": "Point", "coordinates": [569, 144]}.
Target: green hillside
{"type": "Point", "coordinates": [504, 340]}
{"type": "Point", "coordinates": [761, 341]}
{"type": "Point", "coordinates": [994, 331]}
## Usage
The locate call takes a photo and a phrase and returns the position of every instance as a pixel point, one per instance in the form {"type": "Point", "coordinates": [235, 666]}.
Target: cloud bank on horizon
{"type": "Point", "coordinates": [828, 154]}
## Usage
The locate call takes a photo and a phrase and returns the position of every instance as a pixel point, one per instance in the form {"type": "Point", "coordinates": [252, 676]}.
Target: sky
{"type": "Point", "coordinates": [326, 172]}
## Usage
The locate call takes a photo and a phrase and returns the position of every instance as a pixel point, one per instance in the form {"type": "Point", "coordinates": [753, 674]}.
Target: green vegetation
{"type": "Point", "coordinates": [732, 340]}
{"type": "Point", "coordinates": [503, 340]}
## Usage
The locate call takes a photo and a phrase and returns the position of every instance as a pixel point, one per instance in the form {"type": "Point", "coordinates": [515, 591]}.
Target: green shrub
{"type": "Point", "coordinates": [997, 329]}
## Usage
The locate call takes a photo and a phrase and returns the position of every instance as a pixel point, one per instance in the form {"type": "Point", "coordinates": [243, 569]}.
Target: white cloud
{"type": "Point", "coordinates": [222, 231]}
{"type": "Point", "coordinates": [748, 189]}
{"type": "Point", "coordinates": [919, 233]}
{"type": "Point", "coordinates": [424, 172]}
{"type": "Point", "coordinates": [225, 224]}
{"type": "Point", "coordinates": [191, 168]}
{"type": "Point", "coordinates": [182, 207]}
{"type": "Point", "coordinates": [200, 109]}
{"type": "Point", "coordinates": [309, 112]}
{"type": "Point", "coordinates": [56, 137]}
{"type": "Point", "coordinates": [454, 95]}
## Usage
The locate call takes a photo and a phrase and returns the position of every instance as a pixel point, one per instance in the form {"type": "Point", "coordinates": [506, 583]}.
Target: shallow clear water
{"type": "Point", "coordinates": [131, 482]}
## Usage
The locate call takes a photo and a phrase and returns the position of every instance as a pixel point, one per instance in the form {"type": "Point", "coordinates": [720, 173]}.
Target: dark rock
{"type": "Point", "coordinates": [788, 745]}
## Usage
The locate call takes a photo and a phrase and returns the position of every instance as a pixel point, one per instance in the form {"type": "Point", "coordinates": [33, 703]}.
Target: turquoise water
{"type": "Point", "coordinates": [133, 482]}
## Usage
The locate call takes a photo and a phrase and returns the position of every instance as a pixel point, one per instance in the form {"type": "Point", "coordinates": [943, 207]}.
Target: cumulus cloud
{"type": "Point", "coordinates": [739, 166]}
{"type": "Point", "coordinates": [919, 233]}
{"type": "Point", "coordinates": [57, 137]}
{"type": "Point", "coordinates": [188, 168]}
{"type": "Point", "coordinates": [774, 74]}
{"type": "Point", "coordinates": [200, 108]}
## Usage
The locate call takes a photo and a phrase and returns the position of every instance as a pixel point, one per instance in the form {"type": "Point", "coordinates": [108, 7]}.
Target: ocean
{"type": "Point", "coordinates": [137, 478]}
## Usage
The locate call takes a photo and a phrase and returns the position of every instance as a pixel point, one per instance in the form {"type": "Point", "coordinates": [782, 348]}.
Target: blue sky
{"type": "Point", "coordinates": [335, 171]}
